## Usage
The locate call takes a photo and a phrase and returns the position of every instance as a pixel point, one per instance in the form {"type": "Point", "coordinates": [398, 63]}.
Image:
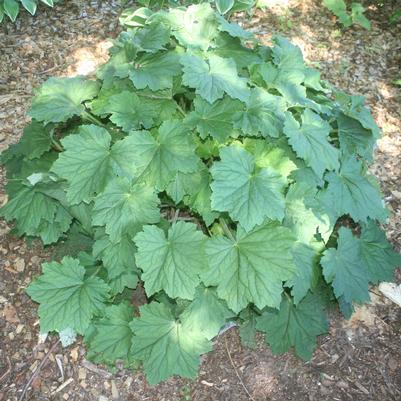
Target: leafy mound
{"type": "Point", "coordinates": [221, 175]}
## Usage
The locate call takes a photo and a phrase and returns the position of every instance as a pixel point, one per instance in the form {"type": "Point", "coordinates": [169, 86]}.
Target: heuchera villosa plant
{"type": "Point", "coordinates": [220, 174]}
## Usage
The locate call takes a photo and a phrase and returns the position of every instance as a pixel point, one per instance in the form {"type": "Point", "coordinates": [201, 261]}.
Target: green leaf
{"type": "Point", "coordinates": [160, 156]}
{"type": "Point", "coordinates": [214, 119]}
{"type": "Point", "coordinates": [233, 29]}
{"type": "Point", "coordinates": [263, 115]}
{"type": "Point", "coordinates": [30, 6]}
{"type": "Point", "coordinates": [51, 231]}
{"type": "Point", "coordinates": [155, 71]}
{"type": "Point", "coordinates": [306, 215]}
{"type": "Point", "coordinates": [195, 27]}
{"type": "Point", "coordinates": [35, 140]}
{"type": "Point", "coordinates": [251, 268]}
{"type": "Point", "coordinates": [294, 326]}
{"type": "Point", "coordinates": [66, 297]}
{"type": "Point", "coordinates": [152, 37]}
{"type": "Point", "coordinates": [247, 193]}
{"type": "Point", "coordinates": [118, 284]}
{"type": "Point", "coordinates": [112, 338]}
{"type": "Point", "coordinates": [130, 112]}
{"type": "Point", "coordinates": [354, 138]}
{"type": "Point", "coordinates": [377, 254]}
{"type": "Point", "coordinates": [232, 48]}
{"type": "Point", "coordinates": [172, 264]}
{"type": "Point", "coordinates": [85, 163]}
{"type": "Point", "coordinates": [247, 329]}
{"type": "Point", "coordinates": [49, 3]}
{"type": "Point", "coordinates": [123, 208]}
{"type": "Point", "coordinates": [342, 268]}
{"type": "Point", "coordinates": [29, 207]}
{"type": "Point", "coordinates": [214, 77]}
{"type": "Point", "coordinates": [310, 140]}
{"type": "Point", "coordinates": [351, 192]}
{"type": "Point", "coordinates": [276, 155]}
{"type": "Point", "coordinates": [357, 16]}
{"type": "Point", "coordinates": [306, 261]}
{"type": "Point", "coordinates": [117, 257]}
{"type": "Point", "coordinates": [11, 9]}
{"type": "Point", "coordinates": [166, 346]}
{"type": "Point", "coordinates": [223, 6]}
{"type": "Point", "coordinates": [339, 9]}
{"type": "Point", "coordinates": [59, 99]}
{"type": "Point", "coordinates": [207, 313]}
{"type": "Point", "coordinates": [289, 61]}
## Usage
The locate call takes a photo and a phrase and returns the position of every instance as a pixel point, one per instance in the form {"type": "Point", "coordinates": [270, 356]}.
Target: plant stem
{"type": "Point", "coordinates": [226, 229]}
{"type": "Point", "coordinates": [88, 116]}
{"type": "Point", "coordinates": [96, 271]}
{"type": "Point", "coordinates": [180, 109]}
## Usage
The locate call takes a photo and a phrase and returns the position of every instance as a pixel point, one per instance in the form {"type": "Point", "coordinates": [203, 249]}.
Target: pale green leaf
{"type": "Point", "coordinates": [310, 140]}
{"type": "Point", "coordinates": [59, 99]}
{"type": "Point", "coordinates": [213, 77]}
{"type": "Point", "coordinates": [249, 194]}
{"type": "Point", "coordinates": [252, 267]}
{"type": "Point", "coordinates": [124, 207]}
{"type": "Point", "coordinates": [160, 156]}
{"type": "Point", "coordinates": [171, 263]}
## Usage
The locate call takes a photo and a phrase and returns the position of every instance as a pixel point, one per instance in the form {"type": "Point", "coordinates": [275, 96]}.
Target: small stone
{"type": "Point", "coordinates": [83, 384]}
{"type": "Point", "coordinates": [106, 385]}
{"type": "Point", "coordinates": [19, 329]}
{"type": "Point", "coordinates": [342, 384]}
{"type": "Point", "coordinates": [103, 398]}
{"type": "Point", "coordinates": [19, 265]}
{"type": "Point", "coordinates": [81, 374]}
{"type": "Point", "coordinates": [392, 364]}
{"type": "Point", "coordinates": [114, 391]}
{"type": "Point", "coordinates": [66, 396]}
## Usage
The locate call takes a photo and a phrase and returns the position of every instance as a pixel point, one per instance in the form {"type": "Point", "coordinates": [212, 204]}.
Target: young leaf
{"type": "Point", "coordinates": [213, 77]}
{"type": "Point", "coordinates": [207, 313]}
{"type": "Point", "coordinates": [117, 257]}
{"type": "Point", "coordinates": [263, 114]}
{"type": "Point", "coordinates": [166, 346]}
{"type": "Point", "coordinates": [66, 297]}
{"type": "Point", "coordinates": [130, 112]}
{"type": "Point", "coordinates": [294, 326]}
{"type": "Point", "coordinates": [351, 192]}
{"type": "Point", "coordinates": [159, 157]}
{"type": "Point", "coordinates": [59, 99]}
{"type": "Point", "coordinates": [172, 264]}
{"type": "Point", "coordinates": [194, 28]}
{"type": "Point", "coordinates": [247, 193]}
{"type": "Point", "coordinates": [310, 142]}
{"type": "Point", "coordinates": [214, 119]}
{"type": "Point", "coordinates": [155, 71]}
{"type": "Point", "coordinates": [223, 6]}
{"type": "Point", "coordinates": [251, 267]}
{"type": "Point", "coordinates": [124, 207]}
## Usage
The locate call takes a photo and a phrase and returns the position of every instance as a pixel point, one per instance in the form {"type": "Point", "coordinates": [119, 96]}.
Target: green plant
{"type": "Point", "coordinates": [220, 174]}
{"type": "Point", "coordinates": [11, 8]}
{"type": "Point", "coordinates": [355, 16]}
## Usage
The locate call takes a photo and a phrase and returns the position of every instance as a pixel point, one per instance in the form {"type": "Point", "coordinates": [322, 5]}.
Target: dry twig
{"type": "Point", "coordinates": [37, 370]}
{"type": "Point", "coordinates": [236, 372]}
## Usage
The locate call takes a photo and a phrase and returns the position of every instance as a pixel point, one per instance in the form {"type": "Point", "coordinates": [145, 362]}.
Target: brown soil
{"type": "Point", "coordinates": [357, 360]}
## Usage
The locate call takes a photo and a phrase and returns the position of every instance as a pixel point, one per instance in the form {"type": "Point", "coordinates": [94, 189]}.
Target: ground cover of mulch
{"type": "Point", "coordinates": [358, 360]}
